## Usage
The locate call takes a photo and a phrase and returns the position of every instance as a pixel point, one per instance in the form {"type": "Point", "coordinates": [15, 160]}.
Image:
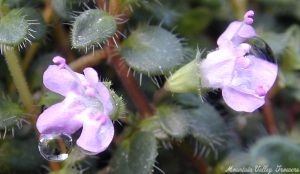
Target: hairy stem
{"type": "Point", "coordinates": [130, 84]}
{"type": "Point", "coordinates": [125, 75]}
{"type": "Point", "coordinates": [12, 60]}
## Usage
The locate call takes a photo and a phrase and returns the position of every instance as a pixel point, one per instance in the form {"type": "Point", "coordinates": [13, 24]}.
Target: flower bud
{"type": "Point", "coordinates": [185, 79]}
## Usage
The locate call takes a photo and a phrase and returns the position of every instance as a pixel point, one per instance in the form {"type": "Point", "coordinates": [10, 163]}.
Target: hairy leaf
{"type": "Point", "coordinates": [13, 28]}
{"type": "Point", "coordinates": [135, 155]}
{"type": "Point", "coordinates": [152, 50]}
{"type": "Point", "coordinates": [91, 28]}
{"type": "Point", "coordinates": [274, 151]}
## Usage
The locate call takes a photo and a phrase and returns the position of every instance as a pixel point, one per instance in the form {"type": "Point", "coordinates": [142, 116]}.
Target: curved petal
{"type": "Point", "coordinates": [259, 73]}
{"type": "Point", "coordinates": [241, 101]}
{"type": "Point", "coordinates": [217, 68]}
{"type": "Point", "coordinates": [91, 75]}
{"type": "Point", "coordinates": [58, 118]}
{"type": "Point", "coordinates": [236, 32]}
{"type": "Point", "coordinates": [96, 135]}
{"type": "Point", "coordinates": [59, 80]}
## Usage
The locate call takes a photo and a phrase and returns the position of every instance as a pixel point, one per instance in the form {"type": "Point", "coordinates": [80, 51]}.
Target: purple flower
{"type": "Point", "coordinates": [87, 104]}
{"type": "Point", "coordinates": [244, 77]}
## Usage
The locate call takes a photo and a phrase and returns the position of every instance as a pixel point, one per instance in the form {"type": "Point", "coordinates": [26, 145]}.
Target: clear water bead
{"type": "Point", "coordinates": [55, 146]}
{"type": "Point", "coordinates": [260, 49]}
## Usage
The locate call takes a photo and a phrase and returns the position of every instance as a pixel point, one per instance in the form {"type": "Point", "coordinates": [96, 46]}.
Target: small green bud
{"type": "Point", "coordinates": [119, 106]}
{"type": "Point", "coordinates": [185, 79]}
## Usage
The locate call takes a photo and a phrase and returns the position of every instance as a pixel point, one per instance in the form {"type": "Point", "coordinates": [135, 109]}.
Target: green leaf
{"type": "Point", "coordinates": [152, 124]}
{"type": "Point", "coordinates": [91, 28]}
{"type": "Point", "coordinates": [152, 50]}
{"type": "Point", "coordinates": [13, 151]}
{"type": "Point", "coordinates": [135, 155]}
{"type": "Point", "coordinates": [274, 151]}
{"type": "Point", "coordinates": [205, 124]}
{"type": "Point", "coordinates": [13, 29]}
{"type": "Point", "coordinates": [173, 121]}
{"type": "Point", "coordinates": [36, 21]}
{"type": "Point", "coordinates": [188, 100]}
{"type": "Point", "coordinates": [234, 160]}
{"type": "Point", "coordinates": [168, 122]}
{"type": "Point", "coordinates": [208, 128]}
{"type": "Point", "coordinates": [10, 115]}
{"type": "Point", "coordinates": [20, 26]}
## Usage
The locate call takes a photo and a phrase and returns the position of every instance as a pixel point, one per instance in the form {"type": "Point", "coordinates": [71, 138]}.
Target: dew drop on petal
{"type": "Point", "coordinates": [55, 146]}
{"type": "Point", "coordinates": [260, 49]}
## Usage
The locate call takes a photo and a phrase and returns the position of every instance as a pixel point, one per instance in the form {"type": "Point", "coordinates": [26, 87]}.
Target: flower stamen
{"type": "Point", "coordinates": [248, 17]}
{"type": "Point", "coordinates": [248, 20]}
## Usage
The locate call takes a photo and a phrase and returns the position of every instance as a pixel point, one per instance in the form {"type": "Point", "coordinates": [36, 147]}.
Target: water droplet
{"type": "Point", "coordinates": [55, 146]}
{"type": "Point", "coordinates": [260, 49]}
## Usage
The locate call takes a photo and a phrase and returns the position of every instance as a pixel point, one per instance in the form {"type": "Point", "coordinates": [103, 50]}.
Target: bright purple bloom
{"type": "Point", "coordinates": [87, 104]}
{"type": "Point", "coordinates": [244, 78]}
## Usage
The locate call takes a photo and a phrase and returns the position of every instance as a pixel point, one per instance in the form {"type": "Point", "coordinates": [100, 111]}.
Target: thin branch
{"type": "Point", "coordinates": [270, 122]}
{"type": "Point", "coordinates": [89, 60]}
{"type": "Point", "coordinates": [268, 112]}
{"type": "Point", "coordinates": [130, 84]}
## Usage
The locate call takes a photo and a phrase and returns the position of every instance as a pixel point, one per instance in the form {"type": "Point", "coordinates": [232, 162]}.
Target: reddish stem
{"type": "Point", "coordinates": [130, 84]}
{"type": "Point", "coordinates": [269, 118]}
{"type": "Point", "coordinates": [125, 75]}
{"type": "Point", "coordinates": [292, 114]}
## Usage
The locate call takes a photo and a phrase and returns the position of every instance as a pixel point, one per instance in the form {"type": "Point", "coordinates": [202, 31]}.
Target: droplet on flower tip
{"type": "Point", "coordinates": [260, 49]}
{"type": "Point", "coordinates": [55, 146]}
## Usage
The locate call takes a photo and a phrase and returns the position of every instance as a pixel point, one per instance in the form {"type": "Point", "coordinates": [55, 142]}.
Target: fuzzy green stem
{"type": "Point", "coordinates": [11, 57]}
